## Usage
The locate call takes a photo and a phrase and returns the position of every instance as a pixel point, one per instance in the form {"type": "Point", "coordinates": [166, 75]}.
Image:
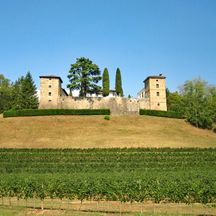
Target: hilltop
{"type": "Point", "coordinates": [94, 131]}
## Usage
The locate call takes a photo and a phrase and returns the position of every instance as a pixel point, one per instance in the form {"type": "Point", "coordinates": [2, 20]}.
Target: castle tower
{"type": "Point", "coordinates": [155, 92]}
{"type": "Point", "coordinates": [50, 92]}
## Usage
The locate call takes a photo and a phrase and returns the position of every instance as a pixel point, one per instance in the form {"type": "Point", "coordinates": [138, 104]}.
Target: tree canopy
{"type": "Point", "coordinates": [196, 100]}
{"type": "Point", "coordinates": [22, 94]}
{"type": "Point", "coordinates": [118, 83]}
{"type": "Point", "coordinates": [106, 83]}
{"type": "Point", "coordinates": [174, 101]}
{"type": "Point", "coordinates": [84, 76]}
{"type": "Point", "coordinates": [5, 93]}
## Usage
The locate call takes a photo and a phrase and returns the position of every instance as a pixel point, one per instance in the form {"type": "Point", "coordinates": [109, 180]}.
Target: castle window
{"type": "Point", "coordinates": [50, 93]}
{"type": "Point", "coordinates": [156, 80]}
{"type": "Point", "coordinates": [50, 86]}
{"type": "Point", "coordinates": [158, 93]}
{"type": "Point", "coordinates": [158, 104]}
{"type": "Point", "coordinates": [157, 85]}
{"type": "Point", "coordinates": [49, 78]}
{"type": "Point", "coordinates": [50, 100]}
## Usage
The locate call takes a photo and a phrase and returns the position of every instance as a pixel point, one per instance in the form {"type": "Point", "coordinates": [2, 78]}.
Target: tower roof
{"type": "Point", "coordinates": [52, 76]}
{"type": "Point", "coordinates": [155, 77]}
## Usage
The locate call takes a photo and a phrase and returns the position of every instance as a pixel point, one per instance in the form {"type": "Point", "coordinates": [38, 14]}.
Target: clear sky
{"type": "Point", "coordinates": [141, 37]}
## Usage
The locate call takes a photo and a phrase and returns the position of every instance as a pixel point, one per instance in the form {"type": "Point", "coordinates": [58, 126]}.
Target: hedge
{"type": "Point", "coordinates": [160, 113]}
{"type": "Point", "coordinates": [45, 112]}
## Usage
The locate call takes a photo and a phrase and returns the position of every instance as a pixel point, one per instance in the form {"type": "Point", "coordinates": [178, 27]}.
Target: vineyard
{"type": "Point", "coordinates": [126, 175]}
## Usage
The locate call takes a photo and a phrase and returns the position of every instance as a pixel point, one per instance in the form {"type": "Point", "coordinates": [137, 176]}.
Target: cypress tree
{"type": "Point", "coordinates": [106, 83]}
{"type": "Point", "coordinates": [118, 83]}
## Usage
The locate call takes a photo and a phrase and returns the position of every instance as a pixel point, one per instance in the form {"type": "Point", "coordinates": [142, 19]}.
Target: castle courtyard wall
{"type": "Point", "coordinates": [117, 105]}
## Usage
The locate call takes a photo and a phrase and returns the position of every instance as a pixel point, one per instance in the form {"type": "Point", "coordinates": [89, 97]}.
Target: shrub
{"type": "Point", "coordinates": [106, 117]}
{"type": "Point", "coordinates": [201, 120]}
{"type": "Point", "coordinates": [44, 112]}
{"type": "Point", "coordinates": [169, 114]}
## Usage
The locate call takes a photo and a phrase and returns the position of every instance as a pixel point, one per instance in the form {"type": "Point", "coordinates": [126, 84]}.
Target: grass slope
{"type": "Point", "coordinates": [94, 131]}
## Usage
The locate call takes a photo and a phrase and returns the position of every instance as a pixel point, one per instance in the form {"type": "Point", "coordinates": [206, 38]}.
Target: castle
{"type": "Point", "coordinates": [152, 96]}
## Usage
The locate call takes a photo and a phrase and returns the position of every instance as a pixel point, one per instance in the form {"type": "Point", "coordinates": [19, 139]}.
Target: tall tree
{"type": "Point", "coordinates": [29, 92]}
{"type": "Point", "coordinates": [106, 82]}
{"type": "Point", "coordinates": [198, 103]}
{"type": "Point", "coordinates": [174, 101]}
{"type": "Point", "coordinates": [16, 93]}
{"type": "Point", "coordinates": [212, 91]}
{"type": "Point", "coordinates": [118, 83]}
{"type": "Point", "coordinates": [5, 93]}
{"type": "Point", "coordinates": [25, 93]}
{"type": "Point", "coordinates": [84, 76]}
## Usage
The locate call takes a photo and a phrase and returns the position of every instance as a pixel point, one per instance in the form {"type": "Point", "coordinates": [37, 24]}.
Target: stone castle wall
{"type": "Point", "coordinates": [117, 105]}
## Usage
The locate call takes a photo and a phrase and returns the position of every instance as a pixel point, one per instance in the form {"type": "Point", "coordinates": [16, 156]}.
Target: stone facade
{"type": "Point", "coordinates": [154, 92]}
{"type": "Point", "coordinates": [52, 96]}
{"type": "Point", "coordinates": [51, 91]}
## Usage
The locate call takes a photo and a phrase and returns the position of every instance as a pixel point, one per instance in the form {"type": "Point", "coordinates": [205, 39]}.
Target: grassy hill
{"type": "Point", "coordinates": [94, 131]}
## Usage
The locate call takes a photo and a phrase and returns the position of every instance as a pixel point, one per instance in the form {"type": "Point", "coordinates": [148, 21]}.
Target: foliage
{"type": "Point", "coordinates": [24, 93]}
{"type": "Point", "coordinates": [84, 76]}
{"type": "Point", "coordinates": [128, 175]}
{"type": "Point", "coordinates": [198, 102]}
{"type": "Point", "coordinates": [5, 93]}
{"type": "Point", "coordinates": [118, 83]}
{"type": "Point", "coordinates": [107, 117]}
{"type": "Point", "coordinates": [44, 112]}
{"type": "Point", "coordinates": [174, 102]}
{"type": "Point", "coordinates": [106, 160]}
{"type": "Point", "coordinates": [106, 83]}
{"type": "Point", "coordinates": [160, 113]}
{"type": "Point", "coordinates": [212, 100]}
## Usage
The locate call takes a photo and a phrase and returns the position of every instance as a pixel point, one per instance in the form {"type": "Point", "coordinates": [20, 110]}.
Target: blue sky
{"type": "Point", "coordinates": [141, 37]}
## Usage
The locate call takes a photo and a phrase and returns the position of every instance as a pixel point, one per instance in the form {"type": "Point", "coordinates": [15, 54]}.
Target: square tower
{"type": "Point", "coordinates": [155, 92]}
{"type": "Point", "coordinates": [50, 91]}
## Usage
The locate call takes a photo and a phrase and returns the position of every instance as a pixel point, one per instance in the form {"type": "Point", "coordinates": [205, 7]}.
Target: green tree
{"type": "Point", "coordinates": [118, 83]}
{"type": "Point", "coordinates": [174, 101]}
{"type": "Point", "coordinates": [16, 93]}
{"type": "Point", "coordinates": [197, 100]}
{"type": "Point", "coordinates": [106, 82]}
{"type": "Point", "coordinates": [25, 93]}
{"type": "Point", "coordinates": [84, 76]}
{"type": "Point", "coordinates": [5, 93]}
{"type": "Point", "coordinates": [212, 91]}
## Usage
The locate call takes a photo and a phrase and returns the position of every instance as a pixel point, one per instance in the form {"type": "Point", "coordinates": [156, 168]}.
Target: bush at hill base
{"type": "Point", "coordinates": [169, 114]}
{"type": "Point", "coordinates": [44, 112]}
